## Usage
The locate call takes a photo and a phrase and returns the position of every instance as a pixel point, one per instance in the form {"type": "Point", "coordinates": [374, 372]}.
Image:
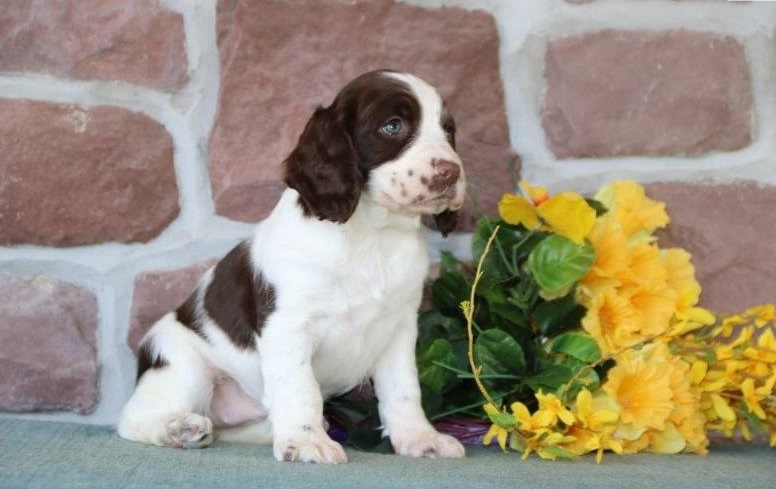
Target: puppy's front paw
{"type": "Point", "coordinates": [189, 431]}
{"type": "Point", "coordinates": [311, 447]}
{"type": "Point", "coordinates": [428, 444]}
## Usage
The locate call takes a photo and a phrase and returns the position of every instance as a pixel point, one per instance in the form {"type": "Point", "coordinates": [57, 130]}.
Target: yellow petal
{"type": "Point", "coordinates": [698, 371]}
{"type": "Point", "coordinates": [521, 413]}
{"type": "Point", "coordinates": [569, 215]}
{"type": "Point", "coordinates": [603, 418]}
{"type": "Point", "coordinates": [500, 434]}
{"type": "Point", "coordinates": [515, 209]}
{"type": "Point", "coordinates": [751, 398]}
{"type": "Point", "coordinates": [702, 316]}
{"type": "Point", "coordinates": [722, 408]}
{"type": "Point", "coordinates": [638, 214]}
{"type": "Point", "coordinates": [667, 441]}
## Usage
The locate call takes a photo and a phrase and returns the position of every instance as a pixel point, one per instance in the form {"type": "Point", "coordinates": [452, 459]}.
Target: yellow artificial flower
{"type": "Point", "coordinates": [515, 209]}
{"type": "Point", "coordinates": [644, 265]}
{"type": "Point", "coordinates": [551, 407]}
{"type": "Point", "coordinates": [611, 321]}
{"type": "Point", "coordinates": [641, 389]}
{"type": "Point", "coordinates": [611, 258]}
{"type": "Point", "coordinates": [638, 214]}
{"type": "Point", "coordinates": [596, 415]}
{"type": "Point", "coordinates": [537, 422]}
{"type": "Point", "coordinates": [762, 314]}
{"type": "Point", "coordinates": [693, 430]}
{"type": "Point", "coordinates": [766, 348]}
{"type": "Point", "coordinates": [654, 304]}
{"type": "Point", "coordinates": [680, 276]}
{"type": "Point", "coordinates": [500, 433]}
{"type": "Point", "coordinates": [753, 398]}
{"type": "Point", "coordinates": [569, 215]}
{"type": "Point", "coordinates": [542, 443]}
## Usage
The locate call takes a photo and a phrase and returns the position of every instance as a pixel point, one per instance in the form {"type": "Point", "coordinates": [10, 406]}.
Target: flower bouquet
{"type": "Point", "coordinates": [574, 332]}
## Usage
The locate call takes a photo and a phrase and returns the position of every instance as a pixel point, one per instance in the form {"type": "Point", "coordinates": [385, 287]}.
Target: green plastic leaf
{"type": "Point", "coordinates": [557, 263]}
{"type": "Point", "coordinates": [448, 263]}
{"type": "Point", "coordinates": [599, 208]}
{"type": "Point", "coordinates": [549, 316]}
{"type": "Point", "coordinates": [578, 345]}
{"type": "Point", "coordinates": [498, 352]}
{"type": "Point", "coordinates": [448, 291]}
{"type": "Point", "coordinates": [433, 324]}
{"type": "Point", "coordinates": [550, 378]}
{"type": "Point", "coordinates": [429, 371]}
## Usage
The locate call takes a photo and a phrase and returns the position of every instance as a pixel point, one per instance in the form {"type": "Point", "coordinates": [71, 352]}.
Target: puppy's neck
{"type": "Point", "coordinates": [370, 216]}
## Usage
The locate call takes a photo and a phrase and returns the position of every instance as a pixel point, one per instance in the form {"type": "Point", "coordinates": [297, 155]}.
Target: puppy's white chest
{"type": "Point", "coordinates": [377, 293]}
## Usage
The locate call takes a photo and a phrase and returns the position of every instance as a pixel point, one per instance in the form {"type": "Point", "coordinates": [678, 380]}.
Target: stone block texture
{"type": "Point", "coordinates": [158, 292]}
{"type": "Point", "coordinates": [72, 175]}
{"type": "Point", "coordinates": [624, 93]}
{"type": "Point", "coordinates": [48, 346]}
{"type": "Point", "coordinates": [728, 229]}
{"type": "Point", "coordinates": [280, 60]}
{"type": "Point", "coordinates": [136, 42]}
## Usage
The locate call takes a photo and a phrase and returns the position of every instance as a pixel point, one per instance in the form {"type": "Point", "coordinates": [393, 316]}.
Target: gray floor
{"type": "Point", "coordinates": [60, 455]}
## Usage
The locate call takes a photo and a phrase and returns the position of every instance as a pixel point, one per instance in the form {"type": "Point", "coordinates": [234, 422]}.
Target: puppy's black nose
{"type": "Point", "coordinates": [446, 173]}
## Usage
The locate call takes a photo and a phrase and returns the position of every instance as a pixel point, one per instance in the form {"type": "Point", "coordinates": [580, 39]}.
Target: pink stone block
{"type": "Point", "coordinates": [159, 292]}
{"type": "Point", "coordinates": [48, 346]}
{"type": "Point", "coordinates": [621, 93]}
{"type": "Point", "coordinates": [728, 229]}
{"type": "Point", "coordinates": [135, 41]}
{"type": "Point", "coordinates": [72, 175]}
{"type": "Point", "coordinates": [280, 60]}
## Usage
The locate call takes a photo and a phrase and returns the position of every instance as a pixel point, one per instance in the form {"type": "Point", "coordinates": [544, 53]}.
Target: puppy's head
{"type": "Point", "coordinates": [387, 137]}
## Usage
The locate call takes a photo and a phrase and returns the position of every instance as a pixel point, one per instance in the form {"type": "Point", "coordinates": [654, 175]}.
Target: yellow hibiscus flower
{"type": "Point", "coordinates": [654, 304]}
{"type": "Point", "coordinates": [567, 214]}
{"type": "Point", "coordinates": [680, 276]}
{"type": "Point", "coordinates": [516, 209]}
{"type": "Point", "coordinates": [638, 214]}
{"type": "Point", "coordinates": [611, 258]}
{"type": "Point", "coordinates": [611, 321]}
{"type": "Point", "coordinates": [641, 389]}
{"type": "Point", "coordinates": [644, 265]}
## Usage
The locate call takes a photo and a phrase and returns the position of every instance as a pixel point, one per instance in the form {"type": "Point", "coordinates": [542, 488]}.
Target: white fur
{"type": "Point", "coordinates": [346, 310]}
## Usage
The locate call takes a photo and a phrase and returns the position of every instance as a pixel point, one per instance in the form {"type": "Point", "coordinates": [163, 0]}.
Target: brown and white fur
{"type": "Point", "coordinates": [322, 296]}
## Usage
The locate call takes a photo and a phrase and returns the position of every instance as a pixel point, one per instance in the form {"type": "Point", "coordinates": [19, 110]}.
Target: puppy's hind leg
{"type": "Point", "coordinates": [172, 394]}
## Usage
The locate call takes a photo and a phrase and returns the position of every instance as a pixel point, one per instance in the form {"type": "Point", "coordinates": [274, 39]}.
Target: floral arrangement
{"type": "Point", "coordinates": [577, 333]}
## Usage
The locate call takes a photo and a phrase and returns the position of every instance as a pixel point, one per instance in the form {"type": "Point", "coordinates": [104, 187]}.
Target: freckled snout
{"type": "Point", "coordinates": [446, 174]}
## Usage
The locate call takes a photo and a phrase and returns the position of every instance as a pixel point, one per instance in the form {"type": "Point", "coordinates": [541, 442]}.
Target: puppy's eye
{"type": "Point", "coordinates": [392, 127]}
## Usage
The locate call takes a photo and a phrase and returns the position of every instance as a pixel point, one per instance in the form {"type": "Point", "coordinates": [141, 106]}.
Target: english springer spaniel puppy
{"type": "Point", "coordinates": [322, 296]}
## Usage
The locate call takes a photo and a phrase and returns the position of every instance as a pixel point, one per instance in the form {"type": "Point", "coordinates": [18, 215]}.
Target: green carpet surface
{"type": "Point", "coordinates": [49, 455]}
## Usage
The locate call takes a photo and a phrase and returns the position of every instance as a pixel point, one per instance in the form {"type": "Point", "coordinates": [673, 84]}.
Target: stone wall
{"type": "Point", "coordinates": [139, 140]}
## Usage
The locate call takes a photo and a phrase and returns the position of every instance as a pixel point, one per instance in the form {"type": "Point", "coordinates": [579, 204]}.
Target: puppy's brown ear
{"type": "Point", "coordinates": [323, 168]}
{"type": "Point", "coordinates": [446, 221]}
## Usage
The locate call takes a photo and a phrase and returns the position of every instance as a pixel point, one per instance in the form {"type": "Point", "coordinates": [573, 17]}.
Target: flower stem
{"type": "Point", "coordinates": [468, 311]}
